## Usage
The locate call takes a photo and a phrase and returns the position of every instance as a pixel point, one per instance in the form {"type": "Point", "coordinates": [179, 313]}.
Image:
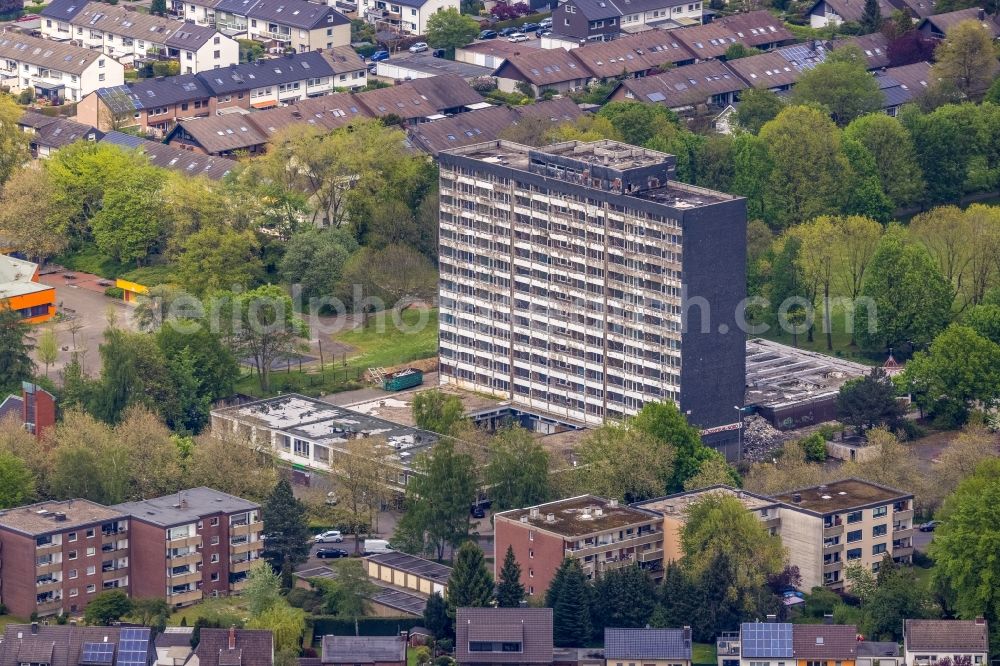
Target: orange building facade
{"type": "Point", "coordinates": [21, 291]}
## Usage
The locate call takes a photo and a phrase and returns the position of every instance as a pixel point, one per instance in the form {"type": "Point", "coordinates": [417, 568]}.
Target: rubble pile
{"type": "Point", "coordinates": [760, 439]}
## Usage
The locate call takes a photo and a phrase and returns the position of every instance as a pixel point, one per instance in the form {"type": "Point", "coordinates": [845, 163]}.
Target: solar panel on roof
{"type": "Point", "coordinates": [98, 653]}
{"type": "Point", "coordinates": [133, 647]}
{"type": "Point", "coordinates": [656, 97]}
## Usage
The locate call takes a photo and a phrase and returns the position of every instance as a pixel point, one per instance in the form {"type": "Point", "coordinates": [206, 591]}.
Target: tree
{"type": "Point", "coordinates": [436, 616]}
{"type": "Point", "coordinates": [943, 148]}
{"type": "Point", "coordinates": [106, 608]}
{"type": "Point", "coordinates": [42, 234]}
{"type": "Point", "coordinates": [813, 169]}
{"type": "Point", "coordinates": [909, 300]}
{"type": "Point", "coordinates": [677, 596]}
{"type": "Point", "coordinates": [871, 18]}
{"type": "Point", "coordinates": [637, 122]}
{"type": "Point", "coordinates": [315, 259]}
{"type": "Point", "coordinates": [897, 597]}
{"type": "Point", "coordinates": [129, 225]}
{"type": "Point", "coordinates": [571, 625]}
{"type": "Point", "coordinates": [510, 591]}
{"type": "Point", "coordinates": [959, 461]}
{"type": "Point", "coordinates": [438, 411]}
{"type": "Point", "coordinates": [448, 29]}
{"type": "Point", "coordinates": [518, 470]}
{"type": "Point", "coordinates": [232, 464]}
{"type": "Point", "coordinates": [13, 142]}
{"type": "Point", "coordinates": [396, 274]}
{"type": "Point", "coordinates": [965, 59]}
{"type": "Point", "coordinates": [263, 588]}
{"type": "Point", "coordinates": [664, 421]}
{"type": "Point", "coordinates": [264, 327]}
{"type": "Point", "coordinates": [740, 50]}
{"type": "Point", "coordinates": [16, 365]}
{"type": "Point", "coordinates": [133, 371]}
{"type": "Point", "coordinates": [865, 196]}
{"type": "Point", "coordinates": [218, 258]}
{"type": "Point", "coordinates": [817, 259]}
{"type": "Point", "coordinates": [841, 84]}
{"type": "Point", "coordinates": [718, 526]}
{"type": "Point", "coordinates": [892, 147]}
{"type": "Point", "coordinates": [892, 465]}
{"type": "Point", "coordinates": [361, 474]}
{"type": "Point", "coordinates": [984, 320]}
{"type": "Point", "coordinates": [712, 472]}
{"type": "Point", "coordinates": [155, 467]}
{"type": "Point", "coordinates": [17, 483]}
{"type": "Point", "coordinates": [214, 366]}
{"type": "Point", "coordinates": [960, 369]}
{"type": "Point", "coordinates": [625, 463]}
{"type": "Point", "coordinates": [88, 462]}
{"type": "Point", "coordinates": [47, 348]}
{"type": "Point", "coordinates": [814, 446]}
{"type": "Point", "coordinates": [352, 589]}
{"type": "Point", "coordinates": [869, 402]}
{"type": "Point", "coordinates": [285, 529]}
{"type": "Point", "coordinates": [438, 498]}
{"type": "Point", "coordinates": [158, 7]}
{"type": "Point", "coordinates": [757, 107]}
{"type": "Point", "coordinates": [470, 584]}
{"type": "Point", "coordinates": [287, 624]}
{"type": "Point", "coordinates": [627, 598]}
{"type": "Point", "coordinates": [150, 612]}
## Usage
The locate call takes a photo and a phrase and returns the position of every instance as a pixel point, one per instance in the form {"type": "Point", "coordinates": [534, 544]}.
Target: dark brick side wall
{"type": "Point", "coordinates": [148, 560]}
{"type": "Point", "coordinates": [18, 573]}
{"type": "Point", "coordinates": [713, 371]}
{"type": "Point", "coordinates": [547, 548]}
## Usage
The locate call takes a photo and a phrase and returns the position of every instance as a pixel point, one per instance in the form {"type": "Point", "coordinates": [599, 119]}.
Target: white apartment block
{"type": "Point", "coordinates": [54, 70]}
{"type": "Point", "coordinates": [410, 16]}
{"type": "Point", "coordinates": [637, 13]}
{"type": "Point", "coordinates": [132, 37]}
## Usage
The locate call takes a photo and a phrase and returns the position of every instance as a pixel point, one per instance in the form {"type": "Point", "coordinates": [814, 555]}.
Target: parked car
{"type": "Point", "coordinates": [546, 22]}
{"type": "Point", "coordinates": [331, 553]}
{"type": "Point", "coordinates": [530, 27]}
{"type": "Point", "coordinates": [419, 47]}
{"type": "Point", "coordinates": [478, 512]}
{"type": "Point", "coordinates": [438, 53]}
{"type": "Point", "coordinates": [929, 526]}
{"type": "Point", "coordinates": [373, 546]}
{"type": "Point", "coordinates": [330, 536]}
{"type": "Point", "coordinates": [518, 37]}
{"type": "Point", "coordinates": [488, 34]}
{"type": "Point", "coordinates": [507, 32]}
{"type": "Point", "coordinates": [379, 56]}
{"type": "Point", "coordinates": [543, 32]}
{"type": "Point", "coordinates": [331, 499]}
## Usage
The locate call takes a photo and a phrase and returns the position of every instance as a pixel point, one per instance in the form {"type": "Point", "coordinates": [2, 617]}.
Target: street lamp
{"type": "Point", "coordinates": [739, 430]}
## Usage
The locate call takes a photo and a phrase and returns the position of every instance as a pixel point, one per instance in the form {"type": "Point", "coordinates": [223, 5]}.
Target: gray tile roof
{"type": "Point", "coordinates": [952, 636]}
{"type": "Point", "coordinates": [878, 649]}
{"type": "Point", "coordinates": [64, 645]}
{"type": "Point", "coordinates": [685, 86]}
{"type": "Point", "coordinates": [63, 10]}
{"type": "Point", "coordinates": [597, 9]}
{"type": "Point", "coordinates": [254, 647]}
{"type": "Point", "coordinates": [185, 506]}
{"type": "Point", "coordinates": [150, 93]}
{"type": "Point", "coordinates": [530, 626]}
{"type": "Point", "coordinates": [757, 28]}
{"type": "Point", "coordinates": [421, 97]}
{"type": "Point", "coordinates": [944, 22]}
{"type": "Point", "coordinates": [296, 13]}
{"type": "Point", "coordinates": [270, 72]}
{"type": "Point", "coordinates": [11, 406]}
{"type": "Point", "coordinates": [56, 132]}
{"type": "Point", "coordinates": [647, 644]}
{"type": "Point", "coordinates": [59, 56]}
{"type": "Point", "coordinates": [363, 649]}
{"type": "Point", "coordinates": [223, 134]}
{"type": "Point", "coordinates": [875, 47]}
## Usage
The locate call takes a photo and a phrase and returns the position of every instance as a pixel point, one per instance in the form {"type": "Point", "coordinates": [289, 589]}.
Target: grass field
{"type": "Point", "coordinates": [378, 344]}
{"type": "Point", "coordinates": [209, 607]}
{"type": "Point", "coordinates": [841, 339]}
{"type": "Point", "coordinates": [703, 653]}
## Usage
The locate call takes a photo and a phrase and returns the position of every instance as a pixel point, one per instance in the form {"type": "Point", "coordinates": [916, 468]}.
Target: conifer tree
{"type": "Point", "coordinates": [571, 626]}
{"type": "Point", "coordinates": [470, 584]}
{"type": "Point", "coordinates": [510, 591]}
{"type": "Point", "coordinates": [286, 529]}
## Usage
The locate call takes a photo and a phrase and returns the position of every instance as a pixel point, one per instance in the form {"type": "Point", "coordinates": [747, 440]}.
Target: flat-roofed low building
{"type": "Point", "coordinates": [408, 572]}
{"type": "Point", "coordinates": [57, 556]}
{"type": "Point", "coordinates": [194, 544]}
{"type": "Point", "coordinates": [22, 292]}
{"type": "Point", "coordinates": [503, 636]}
{"type": "Point", "coordinates": [601, 533]}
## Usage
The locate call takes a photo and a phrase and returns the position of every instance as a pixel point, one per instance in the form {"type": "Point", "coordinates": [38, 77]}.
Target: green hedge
{"type": "Point", "coordinates": [324, 625]}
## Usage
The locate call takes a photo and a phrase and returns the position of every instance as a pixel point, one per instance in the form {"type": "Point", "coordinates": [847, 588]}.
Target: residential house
{"type": "Point", "coordinates": [358, 650]}
{"type": "Point", "coordinates": [71, 645]}
{"type": "Point", "coordinates": [150, 104]}
{"type": "Point", "coordinates": [587, 20]}
{"type": "Point", "coordinates": [21, 291]}
{"type": "Point", "coordinates": [773, 643]}
{"type": "Point", "coordinates": [55, 71]}
{"type": "Point", "coordinates": [543, 69]}
{"type": "Point", "coordinates": [385, 600]}
{"type": "Point", "coordinates": [221, 136]}
{"type": "Point", "coordinates": [488, 53]}
{"type": "Point", "coordinates": [641, 54]}
{"type": "Point", "coordinates": [825, 644]}
{"type": "Point", "coordinates": [638, 14]}
{"type": "Point", "coordinates": [133, 38]}
{"type": "Point", "coordinates": [875, 47]}
{"type": "Point", "coordinates": [307, 433]}
{"type": "Point", "coordinates": [267, 83]}
{"type": "Point", "coordinates": [927, 641]}
{"type": "Point", "coordinates": [710, 40]}
{"type": "Point", "coordinates": [601, 533]}
{"type": "Point", "coordinates": [168, 157]}
{"type": "Point", "coordinates": [201, 12]}
{"type": "Point", "coordinates": [297, 25]}
{"type": "Point", "coordinates": [57, 17]}
{"type": "Point", "coordinates": [689, 89]}
{"type": "Point", "coordinates": [919, 9]}
{"type": "Point", "coordinates": [57, 556]}
{"type": "Point", "coordinates": [48, 133]}
{"type": "Point", "coordinates": [938, 25]}
{"type": "Point", "coordinates": [350, 71]}
{"type": "Point", "coordinates": [235, 647]}
{"type": "Point", "coordinates": [650, 647]}
{"type": "Point", "coordinates": [195, 544]}
{"type": "Point", "coordinates": [758, 29]}
{"type": "Point", "coordinates": [822, 528]}
{"type": "Point", "coordinates": [779, 69]}
{"type": "Point", "coordinates": [503, 636]}
{"type": "Point", "coordinates": [825, 13]}
{"type": "Point", "coordinates": [901, 85]}
{"type": "Point", "coordinates": [418, 100]}
{"type": "Point", "coordinates": [878, 653]}
{"type": "Point", "coordinates": [488, 124]}
{"type": "Point", "coordinates": [407, 16]}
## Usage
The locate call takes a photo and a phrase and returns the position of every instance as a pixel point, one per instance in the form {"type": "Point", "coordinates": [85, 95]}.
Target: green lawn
{"type": "Point", "coordinates": [841, 339]}
{"type": "Point", "coordinates": [378, 344]}
{"type": "Point", "coordinates": [703, 653]}
{"type": "Point", "coordinates": [207, 607]}
{"type": "Point", "coordinates": [9, 619]}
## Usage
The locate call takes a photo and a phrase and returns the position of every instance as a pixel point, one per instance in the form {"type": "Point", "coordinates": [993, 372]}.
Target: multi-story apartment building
{"type": "Point", "coordinates": [198, 543]}
{"type": "Point", "coordinates": [823, 528]}
{"type": "Point", "coordinates": [58, 555]}
{"type": "Point", "coordinates": [55, 71]}
{"type": "Point", "coordinates": [131, 37]}
{"type": "Point", "coordinates": [568, 277]}
{"type": "Point", "coordinates": [409, 16]}
{"type": "Point", "coordinates": [601, 533]}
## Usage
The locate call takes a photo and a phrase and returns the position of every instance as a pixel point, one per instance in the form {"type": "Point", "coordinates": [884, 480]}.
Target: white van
{"type": "Point", "coordinates": [373, 546]}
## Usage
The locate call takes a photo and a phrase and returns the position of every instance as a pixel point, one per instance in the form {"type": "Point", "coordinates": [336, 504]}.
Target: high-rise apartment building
{"type": "Point", "coordinates": [581, 281]}
{"type": "Point", "coordinates": [57, 556]}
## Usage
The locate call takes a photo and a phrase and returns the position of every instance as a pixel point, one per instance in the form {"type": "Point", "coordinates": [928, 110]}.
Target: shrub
{"type": "Point", "coordinates": [114, 292]}
{"type": "Point", "coordinates": [815, 447]}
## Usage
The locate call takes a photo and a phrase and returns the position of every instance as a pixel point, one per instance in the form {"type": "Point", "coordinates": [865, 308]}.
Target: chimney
{"type": "Point", "coordinates": [550, 517]}
{"type": "Point", "coordinates": [534, 512]}
{"type": "Point", "coordinates": [981, 620]}
{"type": "Point", "coordinates": [598, 511]}
{"type": "Point", "coordinates": [612, 503]}
{"type": "Point", "coordinates": [772, 618]}
{"type": "Point", "coordinates": [981, 14]}
{"type": "Point", "coordinates": [797, 497]}
{"type": "Point", "coordinates": [687, 635]}
{"type": "Point", "coordinates": [827, 618]}
{"type": "Point", "coordinates": [232, 637]}
{"type": "Point", "coordinates": [34, 628]}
